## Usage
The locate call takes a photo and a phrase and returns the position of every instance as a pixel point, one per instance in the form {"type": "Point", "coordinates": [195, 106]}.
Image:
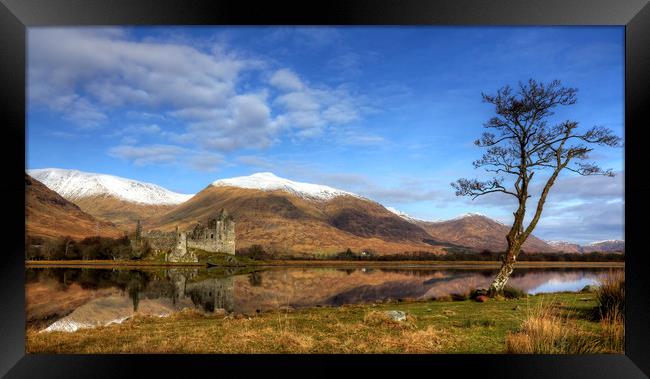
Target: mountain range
{"type": "Point", "coordinates": [48, 214]}
{"type": "Point", "coordinates": [598, 246]}
{"type": "Point", "coordinates": [279, 214]}
{"type": "Point", "coordinates": [119, 200]}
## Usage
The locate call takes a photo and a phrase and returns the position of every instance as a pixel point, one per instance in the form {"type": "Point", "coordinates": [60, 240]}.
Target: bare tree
{"type": "Point", "coordinates": [520, 143]}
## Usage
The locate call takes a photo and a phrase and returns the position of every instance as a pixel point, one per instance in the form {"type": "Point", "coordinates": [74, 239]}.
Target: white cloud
{"type": "Point", "coordinates": [205, 162]}
{"type": "Point", "coordinates": [310, 109]}
{"type": "Point", "coordinates": [244, 122]}
{"type": "Point", "coordinates": [78, 110]}
{"type": "Point", "coordinates": [286, 79]}
{"type": "Point", "coordinates": [143, 129]}
{"type": "Point", "coordinates": [88, 74]}
{"type": "Point", "coordinates": [110, 71]}
{"type": "Point", "coordinates": [147, 155]}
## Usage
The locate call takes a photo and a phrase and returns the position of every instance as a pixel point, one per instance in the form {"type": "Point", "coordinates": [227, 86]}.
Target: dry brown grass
{"type": "Point", "coordinates": [547, 331]}
{"type": "Point", "coordinates": [430, 327]}
{"type": "Point", "coordinates": [381, 319]}
{"type": "Point", "coordinates": [613, 331]}
{"type": "Point", "coordinates": [611, 294]}
{"type": "Point", "coordinates": [334, 331]}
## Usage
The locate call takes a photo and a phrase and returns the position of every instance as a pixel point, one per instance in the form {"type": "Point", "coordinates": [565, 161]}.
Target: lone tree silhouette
{"type": "Point", "coordinates": [519, 144]}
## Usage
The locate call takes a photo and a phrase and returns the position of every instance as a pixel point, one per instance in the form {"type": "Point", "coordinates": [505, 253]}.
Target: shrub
{"type": "Point", "coordinates": [611, 294]}
{"type": "Point", "coordinates": [589, 288]}
{"type": "Point", "coordinates": [255, 252]}
{"type": "Point", "coordinates": [474, 293]}
{"type": "Point", "coordinates": [513, 293]}
{"type": "Point", "coordinates": [459, 296]}
{"type": "Point", "coordinates": [443, 298]}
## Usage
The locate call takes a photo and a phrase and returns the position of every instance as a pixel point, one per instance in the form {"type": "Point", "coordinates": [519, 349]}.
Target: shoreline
{"type": "Point", "coordinates": [331, 263]}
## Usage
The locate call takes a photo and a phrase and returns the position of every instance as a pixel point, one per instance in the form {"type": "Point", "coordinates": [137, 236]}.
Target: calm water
{"type": "Point", "coordinates": [73, 298]}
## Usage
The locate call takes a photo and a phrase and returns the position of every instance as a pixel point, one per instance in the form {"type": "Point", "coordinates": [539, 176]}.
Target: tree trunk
{"type": "Point", "coordinates": [507, 267]}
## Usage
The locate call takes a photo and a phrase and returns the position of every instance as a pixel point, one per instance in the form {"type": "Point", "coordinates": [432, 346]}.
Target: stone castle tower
{"type": "Point", "coordinates": [218, 236]}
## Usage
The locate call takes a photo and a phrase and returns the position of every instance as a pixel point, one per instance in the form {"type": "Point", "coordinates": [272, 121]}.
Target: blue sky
{"type": "Point", "coordinates": [386, 112]}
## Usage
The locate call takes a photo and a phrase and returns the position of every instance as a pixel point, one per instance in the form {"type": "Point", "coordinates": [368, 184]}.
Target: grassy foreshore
{"type": "Point", "coordinates": [329, 263]}
{"type": "Point", "coordinates": [430, 327]}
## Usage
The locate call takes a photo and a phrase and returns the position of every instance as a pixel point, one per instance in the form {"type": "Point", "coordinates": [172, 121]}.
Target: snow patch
{"type": "Point", "coordinates": [398, 212]}
{"type": "Point", "coordinates": [401, 214]}
{"type": "Point", "coordinates": [475, 214]}
{"type": "Point", "coordinates": [74, 184]}
{"type": "Point", "coordinates": [560, 243]}
{"type": "Point", "coordinates": [267, 181]}
{"type": "Point", "coordinates": [605, 241]}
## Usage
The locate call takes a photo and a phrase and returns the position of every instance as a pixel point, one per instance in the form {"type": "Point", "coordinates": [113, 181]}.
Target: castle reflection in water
{"type": "Point", "coordinates": [208, 291]}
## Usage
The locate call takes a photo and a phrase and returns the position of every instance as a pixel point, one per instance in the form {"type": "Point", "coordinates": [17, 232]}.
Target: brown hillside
{"type": "Point", "coordinates": [122, 213]}
{"type": "Point", "coordinates": [369, 219]}
{"type": "Point", "coordinates": [567, 247]}
{"type": "Point", "coordinates": [480, 233]}
{"type": "Point", "coordinates": [283, 222]}
{"type": "Point", "coordinates": [47, 214]}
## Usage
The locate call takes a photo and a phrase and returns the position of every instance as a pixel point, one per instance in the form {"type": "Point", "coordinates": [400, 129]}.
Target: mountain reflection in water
{"type": "Point", "coordinates": [68, 299]}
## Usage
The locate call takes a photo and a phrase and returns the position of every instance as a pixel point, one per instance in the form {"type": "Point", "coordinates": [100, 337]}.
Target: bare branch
{"type": "Point", "coordinates": [476, 188]}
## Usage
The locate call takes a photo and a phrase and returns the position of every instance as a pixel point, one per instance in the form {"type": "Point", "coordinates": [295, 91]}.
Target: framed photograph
{"type": "Point", "coordinates": [253, 185]}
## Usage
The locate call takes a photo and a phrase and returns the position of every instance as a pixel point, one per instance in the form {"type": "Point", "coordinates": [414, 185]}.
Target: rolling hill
{"type": "Point", "coordinates": [47, 214]}
{"type": "Point", "coordinates": [287, 216]}
{"type": "Point", "coordinates": [478, 232]}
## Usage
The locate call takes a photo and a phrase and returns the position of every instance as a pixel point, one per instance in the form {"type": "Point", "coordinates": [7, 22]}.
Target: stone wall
{"type": "Point", "coordinates": [218, 236]}
{"type": "Point", "coordinates": [161, 242]}
{"type": "Point", "coordinates": [181, 253]}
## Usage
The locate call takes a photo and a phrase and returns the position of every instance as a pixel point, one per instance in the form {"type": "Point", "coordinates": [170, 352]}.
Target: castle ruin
{"type": "Point", "coordinates": [217, 236]}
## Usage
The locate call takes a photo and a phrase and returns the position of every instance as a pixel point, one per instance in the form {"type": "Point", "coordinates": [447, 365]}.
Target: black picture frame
{"type": "Point", "coordinates": [17, 15]}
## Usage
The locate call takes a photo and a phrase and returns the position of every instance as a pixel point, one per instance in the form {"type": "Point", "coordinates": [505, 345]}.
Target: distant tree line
{"type": "Point", "coordinates": [257, 252]}
{"type": "Point", "coordinates": [90, 248]}
{"type": "Point", "coordinates": [123, 248]}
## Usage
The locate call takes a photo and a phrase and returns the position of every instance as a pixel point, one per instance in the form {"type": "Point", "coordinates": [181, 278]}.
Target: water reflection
{"type": "Point", "coordinates": [71, 298]}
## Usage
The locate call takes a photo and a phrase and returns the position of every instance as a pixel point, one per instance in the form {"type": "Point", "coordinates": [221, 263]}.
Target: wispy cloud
{"type": "Point", "coordinates": [147, 155]}
{"type": "Point", "coordinates": [206, 162]}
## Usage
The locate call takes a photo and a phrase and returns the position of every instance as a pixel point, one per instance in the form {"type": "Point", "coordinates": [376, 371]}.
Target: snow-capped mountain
{"type": "Point", "coordinates": [267, 181]}
{"type": "Point", "coordinates": [605, 246]}
{"type": "Point", "coordinates": [605, 242]}
{"type": "Point", "coordinates": [74, 185]}
{"type": "Point", "coordinates": [293, 217]}
{"type": "Point", "coordinates": [469, 214]}
{"type": "Point", "coordinates": [49, 215]}
{"type": "Point", "coordinates": [598, 246]}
